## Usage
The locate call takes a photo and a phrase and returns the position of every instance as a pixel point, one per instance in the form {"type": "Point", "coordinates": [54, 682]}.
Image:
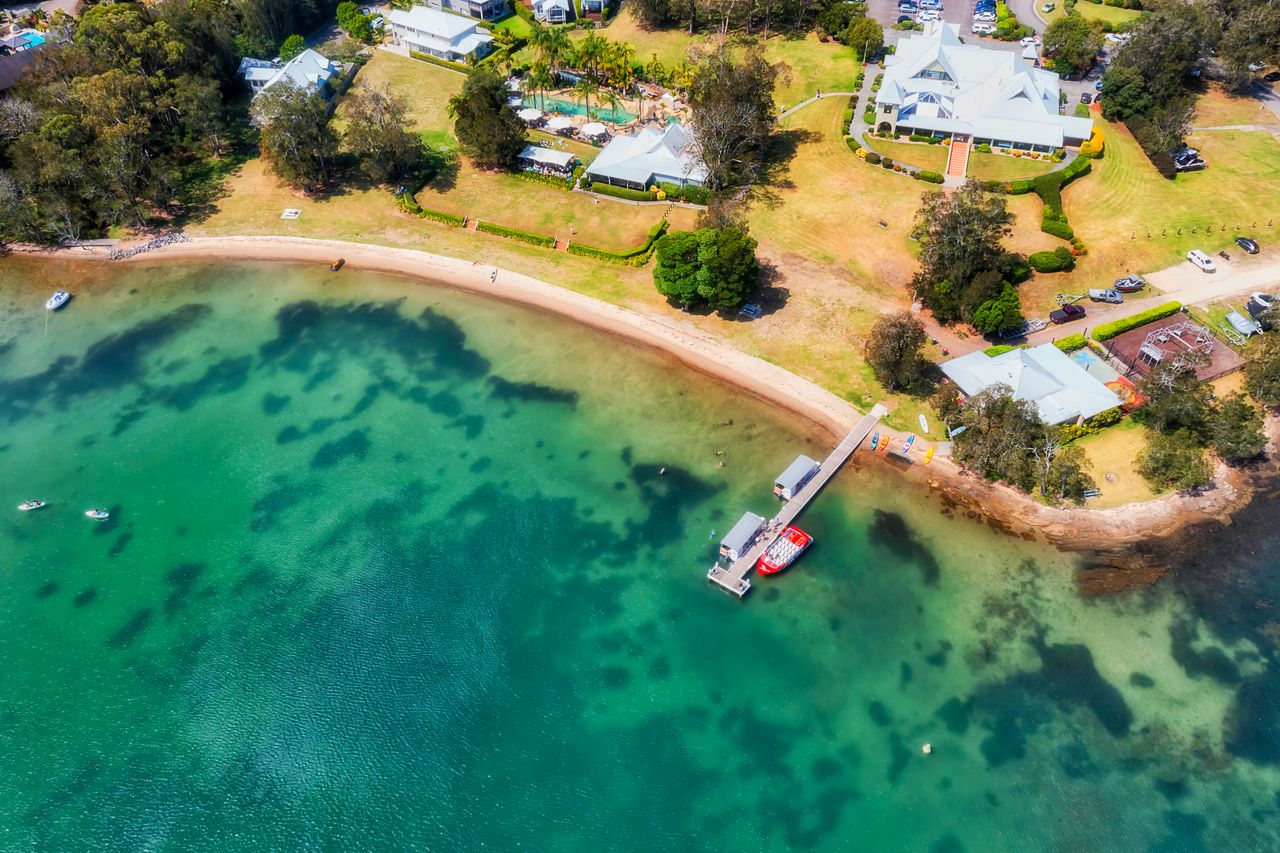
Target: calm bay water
{"type": "Point", "coordinates": [392, 567]}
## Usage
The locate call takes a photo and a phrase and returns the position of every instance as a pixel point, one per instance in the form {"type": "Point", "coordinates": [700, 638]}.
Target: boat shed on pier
{"type": "Point", "coordinates": [742, 536]}
{"type": "Point", "coordinates": [793, 479]}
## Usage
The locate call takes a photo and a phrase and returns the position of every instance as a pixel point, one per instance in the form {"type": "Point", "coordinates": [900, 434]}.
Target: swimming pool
{"type": "Point", "coordinates": [34, 38]}
{"type": "Point", "coordinates": [573, 108]}
{"type": "Point", "coordinates": [1094, 366]}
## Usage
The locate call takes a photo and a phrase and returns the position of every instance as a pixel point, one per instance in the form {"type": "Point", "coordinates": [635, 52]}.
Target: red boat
{"type": "Point", "coordinates": [784, 550]}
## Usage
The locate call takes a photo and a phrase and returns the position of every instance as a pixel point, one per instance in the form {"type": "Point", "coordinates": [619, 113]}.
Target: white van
{"type": "Point", "coordinates": [1202, 260]}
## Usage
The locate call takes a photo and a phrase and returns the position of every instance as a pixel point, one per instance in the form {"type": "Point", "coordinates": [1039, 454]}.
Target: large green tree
{"type": "Point", "coordinates": [1073, 42]}
{"type": "Point", "coordinates": [1235, 430]}
{"type": "Point", "coordinates": [732, 113]}
{"type": "Point", "coordinates": [1174, 461]}
{"type": "Point", "coordinates": [893, 350]}
{"type": "Point", "coordinates": [1176, 399]}
{"type": "Point", "coordinates": [1001, 313]}
{"type": "Point", "coordinates": [296, 138]}
{"type": "Point", "coordinates": [712, 266]}
{"type": "Point", "coordinates": [1262, 372]}
{"type": "Point", "coordinates": [960, 233]}
{"type": "Point", "coordinates": [488, 129]}
{"type": "Point", "coordinates": [377, 133]}
{"type": "Point", "coordinates": [865, 36]}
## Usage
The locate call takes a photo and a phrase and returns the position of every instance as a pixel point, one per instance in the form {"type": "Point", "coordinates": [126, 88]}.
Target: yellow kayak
{"type": "Point", "coordinates": [928, 457]}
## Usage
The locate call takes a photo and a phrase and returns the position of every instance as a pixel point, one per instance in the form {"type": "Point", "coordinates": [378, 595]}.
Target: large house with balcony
{"type": "Point", "coordinates": [484, 10]}
{"type": "Point", "coordinates": [308, 70]}
{"type": "Point", "coordinates": [439, 34]}
{"type": "Point", "coordinates": [935, 85]}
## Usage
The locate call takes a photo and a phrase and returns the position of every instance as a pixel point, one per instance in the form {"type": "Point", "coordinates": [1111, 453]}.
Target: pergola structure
{"type": "Point", "coordinates": [1179, 341]}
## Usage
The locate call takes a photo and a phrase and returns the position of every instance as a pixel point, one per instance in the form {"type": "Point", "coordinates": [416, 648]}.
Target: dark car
{"type": "Point", "coordinates": [1129, 284]}
{"type": "Point", "coordinates": [905, 19]}
{"type": "Point", "coordinates": [1250, 246]}
{"type": "Point", "coordinates": [1086, 98]}
{"type": "Point", "coordinates": [1272, 77]}
{"type": "Point", "coordinates": [1260, 314]}
{"type": "Point", "coordinates": [1066, 314]}
{"type": "Point", "coordinates": [1193, 165]}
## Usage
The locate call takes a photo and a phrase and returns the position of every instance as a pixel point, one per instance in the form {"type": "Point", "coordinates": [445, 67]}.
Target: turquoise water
{"type": "Point", "coordinates": [393, 567]}
{"type": "Point", "coordinates": [574, 108]}
{"type": "Point", "coordinates": [1096, 367]}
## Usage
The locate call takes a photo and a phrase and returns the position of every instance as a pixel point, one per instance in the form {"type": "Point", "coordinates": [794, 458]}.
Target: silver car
{"type": "Point", "coordinates": [1107, 295]}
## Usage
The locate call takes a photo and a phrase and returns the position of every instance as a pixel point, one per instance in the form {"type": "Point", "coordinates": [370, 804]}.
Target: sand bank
{"type": "Point", "coordinates": [999, 506]}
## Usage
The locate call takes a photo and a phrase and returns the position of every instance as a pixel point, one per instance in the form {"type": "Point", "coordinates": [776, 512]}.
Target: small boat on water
{"type": "Point", "coordinates": [27, 506]}
{"type": "Point", "coordinates": [928, 457]}
{"type": "Point", "coordinates": [58, 299]}
{"type": "Point", "coordinates": [784, 550]}
{"type": "Point", "coordinates": [338, 264]}
{"type": "Point", "coordinates": [906, 445]}
{"type": "Point", "coordinates": [875, 442]}
{"type": "Point", "coordinates": [97, 514]}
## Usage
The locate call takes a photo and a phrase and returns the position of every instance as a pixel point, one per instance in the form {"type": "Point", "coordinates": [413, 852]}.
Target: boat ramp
{"type": "Point", "coordinates": [734, 577]}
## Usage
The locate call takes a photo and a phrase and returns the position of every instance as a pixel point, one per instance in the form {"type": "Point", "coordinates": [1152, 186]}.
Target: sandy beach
{"type": "Point", "coordinates": [1077, 528]}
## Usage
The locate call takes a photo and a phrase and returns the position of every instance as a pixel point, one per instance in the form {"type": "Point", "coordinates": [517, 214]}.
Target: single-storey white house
{"type": "Point", "coordinates": [308, 70]}
{"type": "Point", "coordinates": [643, 159]}
{"type": "Point", "coordinates": [1062, 390]}
{"type": "Point", "coordinates": [935, 85]}
{"type": "Point", "coordinates": [547, 161]}
{"type": "Point", "coordinates": [439, 34]}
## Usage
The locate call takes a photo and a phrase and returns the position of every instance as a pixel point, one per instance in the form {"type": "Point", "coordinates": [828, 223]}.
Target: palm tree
{"type": "Point", "coordinates": [591, 50]}
{"type": "Point", "coordinates": [540, 80]}
{"type": "Point", "coordinates": [621, 72]}
{"type": "Point", "coordinates": [611, 98]}
{"type": "Point", "coordinates": [551, 44]}
{"type": "Point", "coordinates": [586, 89]}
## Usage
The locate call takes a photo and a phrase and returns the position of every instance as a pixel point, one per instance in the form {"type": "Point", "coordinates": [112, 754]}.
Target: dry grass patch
{"type": "Point", "coordinates": [425, 87]}
{"type": "Point", "coordinates": [1217, 108]}
{"type": "Point", "coordinates": [1112, 454]}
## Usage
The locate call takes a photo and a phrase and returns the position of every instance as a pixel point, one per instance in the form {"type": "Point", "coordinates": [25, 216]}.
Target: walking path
{"type": "Point", "coordinates": [814, 99]}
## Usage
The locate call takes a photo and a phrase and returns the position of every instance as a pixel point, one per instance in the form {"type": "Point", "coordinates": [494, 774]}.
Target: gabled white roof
{"type": "Point", "coordinates": [990, 94]}
{"type": "Point", "coordinates": [307, 70]}
{"type": "Point", "coordinates": [538, 154]}
{"type": "Point", "coordinates": [667, 153]}
{"type": "Point", "coordinates": [1046, 376]}
{"type": "Point", "coordinates": [433, 22]}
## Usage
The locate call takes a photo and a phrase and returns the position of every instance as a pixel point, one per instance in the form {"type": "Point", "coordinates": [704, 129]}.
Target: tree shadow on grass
{"type": "Point", "coordinates": [770, 295]}
{"type": "Point", "coordinates": [775, 171]}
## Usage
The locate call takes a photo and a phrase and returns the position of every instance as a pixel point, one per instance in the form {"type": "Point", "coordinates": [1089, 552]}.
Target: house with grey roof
{"type": "Point", "coordinates": [936, 85]}
{"type": "Point", "coordinates": [1062, 390]}
{"type": "Point", "coordinates": [484, 10]}
{"type": "Point", "coordinates": [308, 71]}
{"type": "Point", "coordinates": [439, 34]}
{"type": "Point", "coordinates": [640, 160]}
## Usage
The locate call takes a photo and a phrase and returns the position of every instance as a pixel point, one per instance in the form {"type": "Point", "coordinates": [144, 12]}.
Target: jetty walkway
{"type": "Point", "coordinates": [734, 578]}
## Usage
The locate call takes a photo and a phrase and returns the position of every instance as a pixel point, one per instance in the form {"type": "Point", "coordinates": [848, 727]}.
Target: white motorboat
{"type": "Point", "coordinates": [27, 506]}
{"type": "Point", "coordinates": [97, 514]}
{"type": "Point", "coordinates": [58, 299]}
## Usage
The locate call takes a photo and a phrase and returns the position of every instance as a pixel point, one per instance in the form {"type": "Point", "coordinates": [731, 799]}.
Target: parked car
{"type": "Point", "coordinates": [1184, 151]}
{"type": "Point", "coordinates": [984, 29]}
{"type": "Point", "coordinates": [1097, 87]}
{"type": "Point", "coordinates": [984, 17]}
{"type": "Point", "coordinates": [905, 19]}
{"type": "Point", "coordinates": [1272, 77]}
{"type": "Point", "coordinates": [1129, 284]}
{"type": "Point", "coordinates": [927, 15]}
{"type": "Point", "coordinates": [1118, 38]}
{"type": "Point", "coordinates": [1189, 165]}
{"type": "Point", "coordinates": [1262, 300]}
{"type": "Point", "coordinates": [1259, 314]}
{"type": "Point", "coordinates": [1048, 7]}
{"type": "Point", "coordinates": [1248, 244]}
{"type": "Point", "coordinates": [1066, 314]}
{"type": "Point", "coordinates": [1257, 66]}
{"type": "Point", "coordinates": [1203, 261]}
{"type": "Point", "coordinates": [1029, 41]}
{"type": "Point", "coordinates": [1086, 98]}
{"type": "Point", "coordinates": [1108, 295]}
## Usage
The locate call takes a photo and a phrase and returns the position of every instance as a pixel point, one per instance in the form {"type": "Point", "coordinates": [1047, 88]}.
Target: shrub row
{"type": "Point", "coordinates": [549, 180]}
{"type": "Point", "coordinates": [409, 205]}
{"type": "Point", "coordinates": [1118, 327]}
{"type": "Point", "coordinates": [1071, 343]}
{"type": "Point", "coordinates": [852, 144]}
{"type": "Point", "coordinates": [691, 193]}
{"type": "Point", "coordinates": [515, 234]}
{"type": "Point", "coordinates": [932, 140]}
{"type": "Point", "coordinates": [999, 349]}
{"type": "Point", "coordinates": [635, 257]}
{"type": "Point", "coordinates": [1097, 423]}
{"type": "Point", "coordinates": [928, 177]}
{"type": "Point", "coordinates": [623, 192]}
{"type": "Point", "coordinates": [443, 63]}
{"type": "Point", "coordinates": [873, 158]}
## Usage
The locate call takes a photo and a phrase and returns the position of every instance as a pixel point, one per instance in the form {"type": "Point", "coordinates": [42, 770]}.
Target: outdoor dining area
{"type": "Point", "coordinates": [547, 161]}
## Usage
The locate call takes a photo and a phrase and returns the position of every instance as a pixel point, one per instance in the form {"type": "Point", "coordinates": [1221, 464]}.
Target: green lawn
{"type": "Point", "coordinates": [1112, 453]}
{"type": "Point", "coordinates": [1002, 167]}
{"type": "Point", "coordinates": [514, 24]}
{"type": "Point", "coordinates": [426, 87]}
{"type": "Point", "coordinates": [932, 158]}
{"type": "Point", "coordinates": [1115, 16]}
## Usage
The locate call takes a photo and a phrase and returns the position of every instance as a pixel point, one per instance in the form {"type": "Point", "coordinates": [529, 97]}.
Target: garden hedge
{"type": "Point", "coordinates": [409, 205]}
{"type": "Point", "coordinates": [623, 192]}
{"type": "Point", "coordinates": [998, 349]}
{"type": "Point", "coordinates": [634, 257]}
{"type": "Point", "coordinates": [1071, 343]}
{"type": "Point", "coordinates": [443, 63]}
{"type": "Point", "coordinates": [1059, 260]}
{"type": "Point", "coordinates": [873, 158]}
{"type": "Point", "coordinates": [928, 177]}
{"type": "Point", "coordinates": [1118, 327]}
{"type": "Point", "coordinates": [515, 234]}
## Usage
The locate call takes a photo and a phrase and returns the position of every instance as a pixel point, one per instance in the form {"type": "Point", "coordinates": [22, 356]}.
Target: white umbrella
{"type": "Point", "coordinates": [529, 114]}
{"type": "Point", "coordinates": [560, 123]}
{"type": "Point", "coordinates": [593, 128]}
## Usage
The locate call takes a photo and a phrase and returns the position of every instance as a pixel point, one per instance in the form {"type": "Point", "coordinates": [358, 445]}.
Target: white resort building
{"type": "Point", "coordinates": [307, 70]}
{"type": "Point", "coordinates": [439, 34]}
{"type": "Point", "coordinates": [648, 157]}
{"type": "Point", "coordinates": [1062, 390]}
{"type": "Point", "coordinates": [934, 85]}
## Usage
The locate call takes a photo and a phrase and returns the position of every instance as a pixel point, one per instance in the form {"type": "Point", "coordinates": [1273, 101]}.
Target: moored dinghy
{"type": "Point", "coordinates": [58, 299]}
{"type": "Point", "coordinates": [97, 514]}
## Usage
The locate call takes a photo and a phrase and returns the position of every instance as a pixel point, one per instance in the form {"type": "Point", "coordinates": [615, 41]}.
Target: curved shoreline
{"type": "Point", "coordinates": [999, 506]}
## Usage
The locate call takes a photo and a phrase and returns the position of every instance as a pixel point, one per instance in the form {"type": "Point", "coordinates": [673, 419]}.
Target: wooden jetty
{"type": "Point", "coordinates": [734, 578]}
